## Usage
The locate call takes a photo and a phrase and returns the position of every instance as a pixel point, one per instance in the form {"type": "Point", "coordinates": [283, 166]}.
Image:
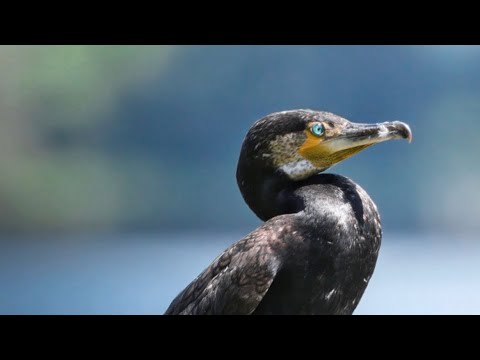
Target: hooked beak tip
{"type": "Point", "coordinates": [401, 129]}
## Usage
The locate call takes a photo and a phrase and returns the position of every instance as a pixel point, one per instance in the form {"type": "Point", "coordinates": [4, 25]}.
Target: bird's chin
{"type": "Point", "coordinates": [327, 159]}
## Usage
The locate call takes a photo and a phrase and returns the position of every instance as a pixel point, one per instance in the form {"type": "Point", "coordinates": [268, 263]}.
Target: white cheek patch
{"type": "Point", "coordinates": [299, 169]}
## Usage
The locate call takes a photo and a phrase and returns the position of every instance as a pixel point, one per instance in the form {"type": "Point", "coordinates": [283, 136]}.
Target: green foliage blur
{"type": "Point", "coordinates": [102, 138]}
{"type": "Point", "coordinates": [55, 101]}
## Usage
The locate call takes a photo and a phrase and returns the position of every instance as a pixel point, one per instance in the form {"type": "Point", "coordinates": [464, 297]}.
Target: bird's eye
{"type": "Point", "coordinates": [317, 129]}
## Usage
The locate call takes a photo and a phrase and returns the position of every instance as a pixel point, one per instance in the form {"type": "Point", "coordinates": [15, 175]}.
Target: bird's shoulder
{"type": "Point", "coordinates": [236, 281]}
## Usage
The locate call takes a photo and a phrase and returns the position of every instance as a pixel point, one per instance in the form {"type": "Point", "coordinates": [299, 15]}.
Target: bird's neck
{"type": "Point", "coordinates": [266, 192]}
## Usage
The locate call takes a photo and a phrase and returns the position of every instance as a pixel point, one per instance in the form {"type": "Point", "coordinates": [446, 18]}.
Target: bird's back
{"type": "Point", "coordinates": [237, 280]}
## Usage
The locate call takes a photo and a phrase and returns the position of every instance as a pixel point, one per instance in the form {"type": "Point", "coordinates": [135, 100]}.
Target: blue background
{"type": "Point", "coordinates": [118, 167]}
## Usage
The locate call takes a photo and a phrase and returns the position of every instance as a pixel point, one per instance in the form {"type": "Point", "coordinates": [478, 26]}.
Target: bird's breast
{"type": "Point", "coordinates": [329, 262]}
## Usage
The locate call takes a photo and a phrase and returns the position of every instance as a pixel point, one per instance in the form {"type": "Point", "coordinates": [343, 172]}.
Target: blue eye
{"type": "Point", "coordinates": [317, 129]}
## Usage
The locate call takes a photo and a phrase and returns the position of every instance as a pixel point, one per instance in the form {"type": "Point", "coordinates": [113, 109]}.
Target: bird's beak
{"type": "Point", "coordinates": [354, 135]}
{"type": "Point", "coordinates": [343, 142]}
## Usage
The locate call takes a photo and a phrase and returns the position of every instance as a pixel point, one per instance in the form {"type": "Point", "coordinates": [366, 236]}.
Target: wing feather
{"type": "Point", "coordinates": [238, 279]}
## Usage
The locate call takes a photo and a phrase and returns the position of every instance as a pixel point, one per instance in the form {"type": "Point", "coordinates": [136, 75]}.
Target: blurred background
{"type": "Point", "coordinates": [117, 181]}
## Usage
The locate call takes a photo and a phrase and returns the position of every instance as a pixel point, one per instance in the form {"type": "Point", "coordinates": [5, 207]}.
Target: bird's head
{"type": "Point", "coordinates": [301, 143]}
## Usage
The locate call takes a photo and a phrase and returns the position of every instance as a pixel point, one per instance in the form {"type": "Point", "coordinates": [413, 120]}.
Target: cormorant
{"type": "Point", "coordinates": [319, 244]}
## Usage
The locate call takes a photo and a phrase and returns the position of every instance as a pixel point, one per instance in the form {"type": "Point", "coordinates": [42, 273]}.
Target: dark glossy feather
{"type": "Point", "coordinates": [316, 261]}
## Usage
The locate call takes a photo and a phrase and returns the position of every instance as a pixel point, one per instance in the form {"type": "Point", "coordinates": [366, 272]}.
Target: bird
{"type": "Point", "coordinates": [317, 248]}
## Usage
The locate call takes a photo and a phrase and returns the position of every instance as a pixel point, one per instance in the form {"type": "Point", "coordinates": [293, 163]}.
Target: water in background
{"type": "Point", "coordinates": [141, 274]}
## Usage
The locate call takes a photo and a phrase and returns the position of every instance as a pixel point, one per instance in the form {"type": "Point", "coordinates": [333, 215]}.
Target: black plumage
{"type": "Point", "coordinates": [318, 247]}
